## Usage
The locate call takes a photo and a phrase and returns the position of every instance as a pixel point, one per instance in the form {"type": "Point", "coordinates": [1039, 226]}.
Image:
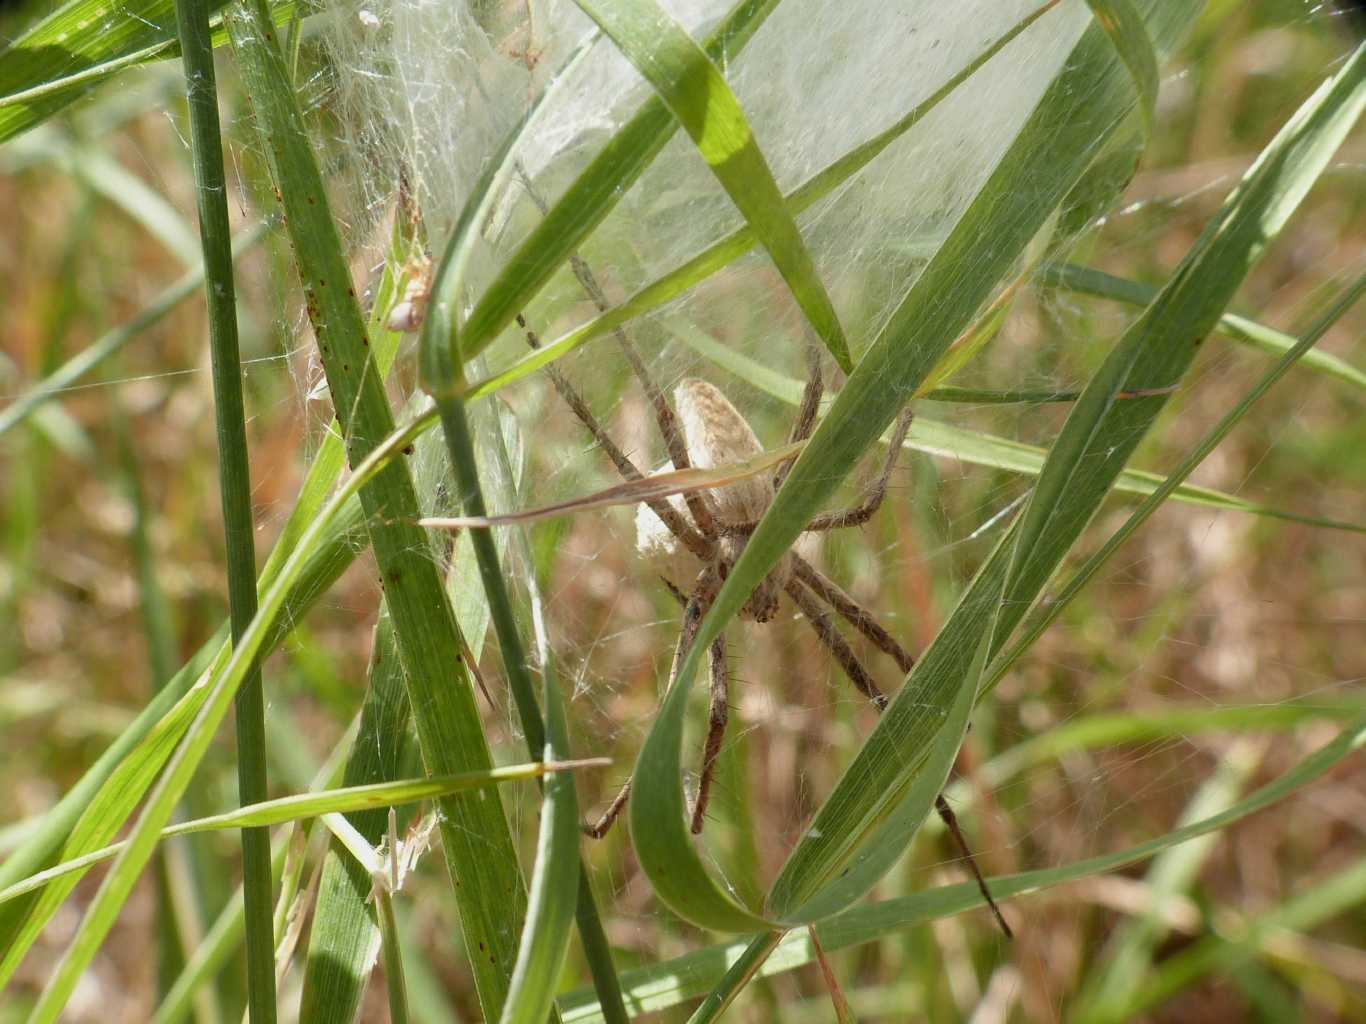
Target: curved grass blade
{"type": "Point", "coordinates": [1097, 438]}
{"type": "Point", "coordinates": [727, 250]}
{"type": "Point", "coordinates": [662, 985]}
{"type": "Point", "coordinates": [1124, 25]}
{"type": "Point", "coordinates": [1052, 150]}
{"type": "Point", "coordinates": [82, 43]}
{"type": "Point", "coordinates": [1090, 281]}
{"type": "Point", "coordinates": [593, 194]}
{"type": "Point", "coordinates": [698, 95]}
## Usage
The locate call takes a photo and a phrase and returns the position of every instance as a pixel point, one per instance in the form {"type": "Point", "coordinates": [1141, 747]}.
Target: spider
{"type": "Point", "coordinates": [703, 429]}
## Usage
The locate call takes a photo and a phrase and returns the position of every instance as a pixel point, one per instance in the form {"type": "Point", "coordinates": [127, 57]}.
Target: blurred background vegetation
{"type": "Point", "coordinates": [1216, 649]}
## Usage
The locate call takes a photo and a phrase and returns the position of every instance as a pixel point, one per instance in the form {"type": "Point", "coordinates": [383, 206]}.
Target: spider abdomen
{"type": "Point", "coordinates": [715, 434]}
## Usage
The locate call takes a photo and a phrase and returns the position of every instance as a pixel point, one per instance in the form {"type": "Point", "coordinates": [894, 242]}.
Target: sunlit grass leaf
{"type": "Point", "coordinates": [697, 94]}
{"type": "Point", "coordinates": [1124, 25]}
{"type": "Point", "coordinates": [1052, 150]}
{"type": "Point", "coordinates": [730, 248]}
{"type": "Point", "coordinates": [82, 43]}
{"type": "Point", "coordinates": [593, 194]}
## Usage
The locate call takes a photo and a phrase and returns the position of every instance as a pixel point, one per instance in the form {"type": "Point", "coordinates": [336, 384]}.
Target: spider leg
{"type": "Point", "coordinates": [950, 821]}
{"type": "Point", "coordinates": [838, 646]}
{"type": "Point", "coordinates": [825, 629]}
{"type": "Point", "coordinates": [811, 404]}
{"type": "Point", "coordinates": [864, 511]}
{"type": "Point", "coordinates": [677, 524]}
{"type": "Point", "coordinates": [718, 716]}
{"type": "Point", "coordinates": [851, 611]}
{"type": "Point", "coordinates": [664, 414]}
{"type": "Point", "coordinates": [692, 618]}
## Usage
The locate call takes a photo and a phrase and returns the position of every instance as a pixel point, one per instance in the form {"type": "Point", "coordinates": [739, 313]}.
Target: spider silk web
{"type": "Point", "coordinates": [1181, 620]}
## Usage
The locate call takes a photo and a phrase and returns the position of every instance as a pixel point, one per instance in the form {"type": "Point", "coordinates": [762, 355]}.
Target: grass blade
{"type": "Point", "coordinates": [1089, 281]}
{"type": "Point", "coordinates": [727, 250]}
{"type": "Point", "coordinates": [1124, 25]}
{"type": "Point", "coordinates": [234, 482]}
{"type": "Point", "coordinates": [476, 841]}
{"type": "Point", "coordinates": [662, 985]}
{"type": "Point", "coordinates": [1042, 617]}
{"type": "Point", "coordinates": [1052, 151]}
{"type": "Point", "coordinates": [698, 96]}
{"type": "Point", "coordinates": [595, 192]}
{"type": "Point", "coordinates": [95, 39]}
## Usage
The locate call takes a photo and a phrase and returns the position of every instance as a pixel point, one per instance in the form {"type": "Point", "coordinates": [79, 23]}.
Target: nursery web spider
{"type": "Point", "coordinates": [703, 429]}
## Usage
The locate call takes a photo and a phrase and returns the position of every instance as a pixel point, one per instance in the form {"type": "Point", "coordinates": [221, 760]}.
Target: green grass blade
{"type": "Point", "coordinates": [1124, 25]}
{"type": "Point", "coordinates": [934, 437]}
{"type": "Point", "coordinates": [737, 243]}
{"type": "Point", "coordinates": [697, 94]}
{"type": "Point", "coordinates": [659, 986]}
{"type": "Point", "coordinates": [1053, 149]}
{"type": "Point", "coordinates": [1090, 281]}
{"type": "Point", "coordinates": [554, 888]}
{"type": "Point", "coordinates": [234, 483]}
{"type": "Point", "coordinates": [595, 192]}
{"type": "Point", "coordinates": [113, 341]}
{"type": "Point", "coordinates": [476, 841]}
{"type": "Point", "coordinates": [1085, 458]}
{"type": "Point", "coordinates": [79, 45]}
{"type": "Point", "coordinates": [344, 929]}
{"type": "Point", "coordinates": [1043, 616]}
{"type": "Point", "coordinates": [1159, 347]}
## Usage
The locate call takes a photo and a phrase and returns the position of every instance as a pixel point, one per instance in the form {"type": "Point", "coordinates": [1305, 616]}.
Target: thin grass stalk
{"type": "Point", "coordinates": [460, 444]}
{"type": "Point", "coordinates": [391, 951]}
{"type": "Point", "coordinates": [477, 844]}
{"type": "Point", "coordinates": [234, 472]}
